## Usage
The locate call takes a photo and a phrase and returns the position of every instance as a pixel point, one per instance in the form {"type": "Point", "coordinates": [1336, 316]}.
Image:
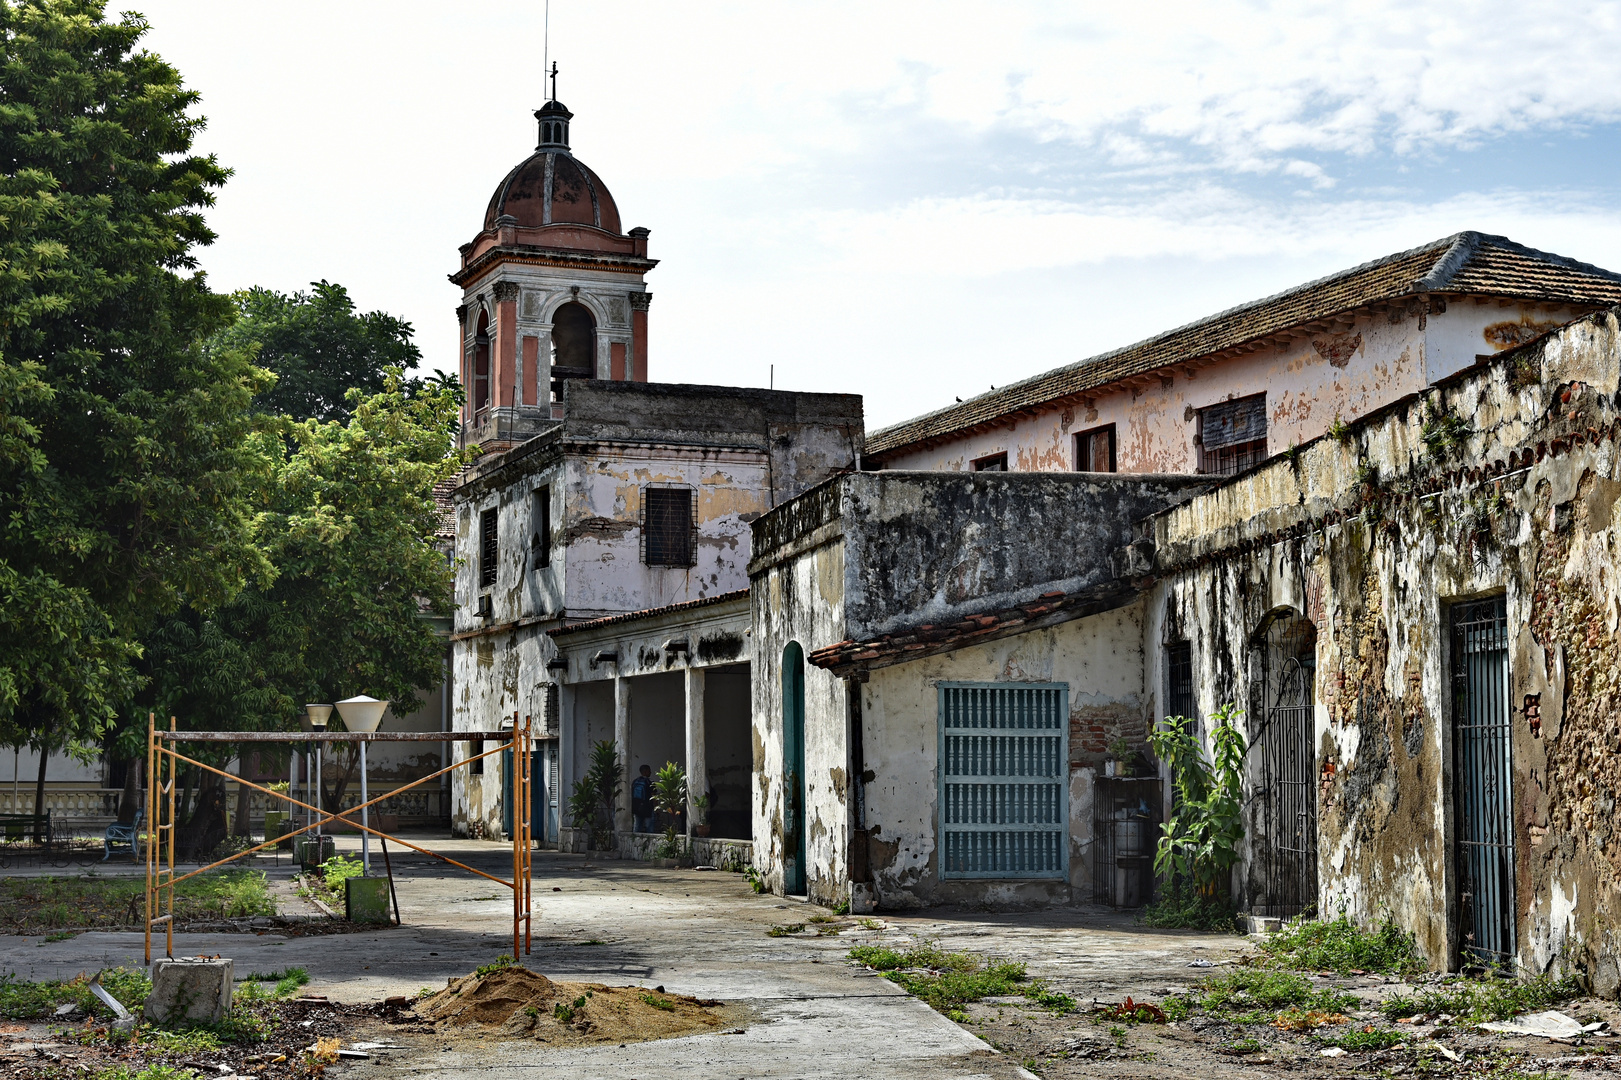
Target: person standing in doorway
{"type": "Point", "coordinates": [641, 800]}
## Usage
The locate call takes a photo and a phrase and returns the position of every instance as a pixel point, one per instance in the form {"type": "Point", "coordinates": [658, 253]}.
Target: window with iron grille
{"type": "Point", "coordinates": [1232, 435]}
{"type": "Point", "coordinates": [1094, 450]}
{"type": "Point", "coordinates": [1179, 698]}
{"type": "Point", "coordinates": [669, 526]}
{"type": "Point", "coordinates": [554, 710]}
{"type": "Point", "coordinates": [488, 548]}
{"type": "Point", "coordinates": [1004, 791]}
{"type": "Point", "coordinates": [540, 528]}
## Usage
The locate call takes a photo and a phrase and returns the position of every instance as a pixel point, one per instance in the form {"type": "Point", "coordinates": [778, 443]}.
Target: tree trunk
{"type": "Point", "coordinates": [129, 801]}
{"type": "Point", "coordinates": [332, 800]}
{"type": "Point", "coordinates": [39, 788]}
{"type": "Point", "coordinates": [241, 824]}
{"type": "Point", "coordinates": [205, 829]}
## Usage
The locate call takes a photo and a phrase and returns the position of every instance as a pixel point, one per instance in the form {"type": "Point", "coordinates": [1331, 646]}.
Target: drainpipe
{"type": "Point", "coordinates": [444, 726]}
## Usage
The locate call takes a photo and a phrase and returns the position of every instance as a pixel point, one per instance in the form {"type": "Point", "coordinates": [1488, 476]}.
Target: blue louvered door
{"type": "Point", "coordinates": [1004, 792]}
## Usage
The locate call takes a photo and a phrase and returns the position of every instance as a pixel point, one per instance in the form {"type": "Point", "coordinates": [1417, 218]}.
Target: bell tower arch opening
{"type": "Point", "coordinates": [574, 345]}
{"type": "Point", "coordinates": [481, 363]}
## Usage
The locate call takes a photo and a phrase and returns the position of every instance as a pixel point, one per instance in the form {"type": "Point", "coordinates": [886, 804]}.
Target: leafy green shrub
{"type": "Point", "coordinates": [1342, 947]}
{"type": "Point", "coordinates": [1200, 844]}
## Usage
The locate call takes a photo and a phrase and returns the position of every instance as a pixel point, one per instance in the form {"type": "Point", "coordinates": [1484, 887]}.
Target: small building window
{"type": "Point", "coordinates": [475, 764]}
{"type": "Point", "coordinates": [1232, 435]}
{"type": "Point", "coordinates": [488, 548]}
{"type": "Point", "coordinates": [993, 463]}
{"type": "Point", "coordinates": [540, 528]}
{"type": "Point", "coordinates": [669, 526]}
{"type": "Point", "coordinates": [1179, 696]}
{"type": "Point", "coordinates": [1094, 450]}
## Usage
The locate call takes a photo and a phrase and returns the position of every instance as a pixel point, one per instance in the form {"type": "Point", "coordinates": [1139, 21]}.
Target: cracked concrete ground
{"type": "Point", "coordinates": [693, 932]}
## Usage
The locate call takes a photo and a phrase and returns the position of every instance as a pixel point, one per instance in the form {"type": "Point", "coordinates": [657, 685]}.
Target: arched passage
{"type": "Point", "coordinates": [793, 769]}
{"type": "Point", "coordinates": [574, 340]}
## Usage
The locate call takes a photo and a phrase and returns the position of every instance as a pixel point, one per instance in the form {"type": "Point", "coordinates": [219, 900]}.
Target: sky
{"type": "Point", "coordinates": [911, 201]}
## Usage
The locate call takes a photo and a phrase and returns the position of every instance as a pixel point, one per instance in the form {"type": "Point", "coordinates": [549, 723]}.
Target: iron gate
{"type": "Point", "coordinates": [1288, 746]}
{"type": "Point", "coordinates": [1482, 782]}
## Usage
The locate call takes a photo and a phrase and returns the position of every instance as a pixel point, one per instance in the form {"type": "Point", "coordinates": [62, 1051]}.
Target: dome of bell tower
{"type": "Point", "coordinates": [552, 186]}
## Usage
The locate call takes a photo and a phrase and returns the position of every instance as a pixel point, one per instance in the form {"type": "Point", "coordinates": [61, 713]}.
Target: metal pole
{"type": "Point", "coordinates": [365, 817]}
{"type": "Point", "coordinates": [320, 797]}
{"type": "Point", "coordinates": [169, 908]}
{"type": "Point", "coordinates": [151, 825]}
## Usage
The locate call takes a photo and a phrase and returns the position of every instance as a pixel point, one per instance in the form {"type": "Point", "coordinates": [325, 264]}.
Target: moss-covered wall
{"type": "Point", "coordinates": [1502, 480]}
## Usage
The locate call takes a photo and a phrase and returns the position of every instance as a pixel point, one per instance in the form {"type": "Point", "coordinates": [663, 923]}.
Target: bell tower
{"type": "Point", "coordinates": [552, 290]}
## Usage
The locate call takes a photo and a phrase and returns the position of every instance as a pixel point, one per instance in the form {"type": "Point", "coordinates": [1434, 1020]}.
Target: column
{"type": "Point", "coordinates": [531, 365]}
{"type": "Point", "coordinates": [697, 766]}
{"type": "Point", "coordinates": [567, 741]}
{"type": "Point", "coordinates": [622, 818]}
{"type": "Point", "coordinates": [639, 302]}
{"type": "Point", "coordinates": [504, 375]}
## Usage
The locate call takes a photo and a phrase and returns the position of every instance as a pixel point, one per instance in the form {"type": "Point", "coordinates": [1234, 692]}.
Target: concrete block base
{"type": "Point", "coordinates": [1260, 924]}
{"type": "Point", "coordinates": [194, 990]}
{"type": "Point", "coordinates": [365, 899]}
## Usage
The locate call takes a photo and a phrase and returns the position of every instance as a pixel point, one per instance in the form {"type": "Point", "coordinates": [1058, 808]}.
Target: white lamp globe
{"type": "Point", "coordinates": [362, 713]}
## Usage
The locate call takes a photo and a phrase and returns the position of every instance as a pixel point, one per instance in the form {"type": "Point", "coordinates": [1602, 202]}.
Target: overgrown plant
{"type": "Point", "coordinates": [1443, 433]}
{"type": "Point", "coordinates": [1199, 844]}
{"type": "Point", "coordinates": [670, 796]}
{"type": "Point", "coordinates": [592, 804]}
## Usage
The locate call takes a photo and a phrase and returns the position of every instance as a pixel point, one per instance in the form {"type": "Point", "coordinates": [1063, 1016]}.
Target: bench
{"type": "Point", "coordinates": [20, 828]}
{"type": "Point", "coordinates": [120, 839]}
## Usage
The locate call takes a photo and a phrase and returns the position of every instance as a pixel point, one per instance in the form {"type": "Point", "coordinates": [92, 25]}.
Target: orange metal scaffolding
{"type": "Point", "coordinates": [163, 762]}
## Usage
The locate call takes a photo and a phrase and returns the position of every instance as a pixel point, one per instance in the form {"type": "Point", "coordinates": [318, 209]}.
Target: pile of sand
{"type": "Point", "coordinates": [522, 1004]}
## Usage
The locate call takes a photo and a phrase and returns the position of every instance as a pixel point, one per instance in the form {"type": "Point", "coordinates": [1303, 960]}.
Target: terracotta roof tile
{"type": "Point", "coordinates": [1468, 262]}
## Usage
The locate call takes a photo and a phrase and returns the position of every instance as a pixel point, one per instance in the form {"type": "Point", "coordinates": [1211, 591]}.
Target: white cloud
{"type": "Point", "coordinates": [863, 193]}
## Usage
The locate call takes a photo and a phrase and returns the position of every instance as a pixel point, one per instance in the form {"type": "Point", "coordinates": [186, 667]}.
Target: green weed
{"type": "Point", "coordinates": [22, 1000]}
{"type": "Point", "coordinates": [1049, 999]}
{"type": "Point", "coordinates": [869, 924]}
{"type": "Point", "coordinates": [33, 904]}
{"type": "Point", "coordinates": [61, 935]}
{"type": "Point", "coordinates": [505, 960]}
{"type": "Point", "coordinates": [756, 882]}
{"type": "Point", "coordinates": [1368, 1038]}
{"type": "Point", "coordinates": [1187, 910]}
{"type": "Point", "coordinates": [1177, 1008]}
{"type": "Point", "coordinates": [1342, 947]}
{"type": "Point", "coordinates": [786, 930]}
{"type": "Point", "coordinates": [658, 1002]}
{"type": "Point", "coordinates": [1478, 1000]}
{"type": "Point", "coordinates": [842, 907]}
{"type": "Point", "coordinates": [1258, 988]}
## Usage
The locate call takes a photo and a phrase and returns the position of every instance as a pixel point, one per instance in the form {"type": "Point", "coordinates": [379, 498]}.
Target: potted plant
{"type": "Point", "coordinates": [670, 796]}
{"type": "Point", "coordinates": [701, 805]}
{"type": "Point", "coordinates": [596, 795]}
{"type": "Point", "coordinates": [1118, 763]}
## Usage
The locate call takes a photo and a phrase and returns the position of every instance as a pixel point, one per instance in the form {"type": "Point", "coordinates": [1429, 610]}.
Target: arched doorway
{"type": "Point", "coordinates": [793, 769]}
{"type": "Point", "coordinates": [1287, 745]}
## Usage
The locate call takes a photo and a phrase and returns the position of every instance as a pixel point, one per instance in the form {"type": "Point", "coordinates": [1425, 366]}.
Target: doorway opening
{"type": "Point", "coordinates": [1482, 782]}
{"type": "Point", "coordinates": [793, 767]}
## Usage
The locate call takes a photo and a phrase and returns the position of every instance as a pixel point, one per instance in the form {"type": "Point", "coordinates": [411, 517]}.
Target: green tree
{"type": "Point", "coordinates": [128, 455]}
{"type": "Point", "coordinates": [349, 522]}
{"type": "Point", "coordinates": [319, 347]}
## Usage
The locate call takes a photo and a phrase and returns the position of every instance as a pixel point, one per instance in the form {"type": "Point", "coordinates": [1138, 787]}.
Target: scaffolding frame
{"type": "Point", "coordinates": [164, 760]}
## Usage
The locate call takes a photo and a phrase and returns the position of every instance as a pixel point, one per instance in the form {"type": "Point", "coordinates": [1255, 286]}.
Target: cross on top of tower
{"type": "Point", "coordinates": [554, 80]}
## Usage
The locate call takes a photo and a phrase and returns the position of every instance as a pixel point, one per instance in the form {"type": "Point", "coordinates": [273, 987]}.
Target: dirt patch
{"type": "Point", "coordinates": [516, 1003]}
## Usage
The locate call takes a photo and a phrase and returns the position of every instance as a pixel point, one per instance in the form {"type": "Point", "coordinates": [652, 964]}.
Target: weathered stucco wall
{"type": "Point", "coordinates": [1099, 657]}
{"type": "Point", "coordinates": [801, 599]}
{"type": "Point", "coordinates": [932, 547]}
{"type": "Point", "coordinates": [1499, 481]}
{"type": "Point", "coordinates": [1308, 382]}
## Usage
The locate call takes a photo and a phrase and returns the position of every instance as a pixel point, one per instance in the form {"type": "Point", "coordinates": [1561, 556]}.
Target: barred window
{"type": "Point", "coordinates": [540, 520]}
{"type": "Point", "coordinates": [1004, 771]}
{"type": "Point", "coordinates": [669, 526]}
{"type": "Point", "coordinates": [1179, 696]}
{"type": "Point", "coordinates": [488, 549]}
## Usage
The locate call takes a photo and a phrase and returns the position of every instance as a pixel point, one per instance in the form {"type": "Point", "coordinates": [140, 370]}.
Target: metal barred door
{"type": "Point", "coordinates": [1482, 781]}
{"type": "Point", "coordinates": [1288, 747]}
{"type": "Point", "coordinates": [1004, 769]}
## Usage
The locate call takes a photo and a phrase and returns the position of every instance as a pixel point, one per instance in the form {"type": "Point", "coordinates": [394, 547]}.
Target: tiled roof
{"type": "Point", "coordinates": [1048, 609]}
{"type": "Point", "coordinates": [631, 616]}
{"type": "Point", "coordinates": [1469, 262]}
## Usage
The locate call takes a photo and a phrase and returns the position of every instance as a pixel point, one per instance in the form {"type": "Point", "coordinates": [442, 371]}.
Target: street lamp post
{"type": "Point", "coordinates": [316, 716]}
{"type": "Point", "coordinates": [363, 714]}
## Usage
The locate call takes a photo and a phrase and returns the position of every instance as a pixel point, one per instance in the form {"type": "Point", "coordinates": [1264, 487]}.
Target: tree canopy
{"type": "Point", "coordinates": [319, 347]}
{"type": "Point", "coordinates": [129, 457]}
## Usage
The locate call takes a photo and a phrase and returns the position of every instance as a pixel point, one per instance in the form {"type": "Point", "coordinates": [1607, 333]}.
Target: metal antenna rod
{"type": "Point", "coordinates": [546, 49]}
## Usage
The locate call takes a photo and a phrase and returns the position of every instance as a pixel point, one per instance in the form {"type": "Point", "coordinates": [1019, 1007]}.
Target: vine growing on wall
{"type": "Point", "coordinates": [1200, 842]}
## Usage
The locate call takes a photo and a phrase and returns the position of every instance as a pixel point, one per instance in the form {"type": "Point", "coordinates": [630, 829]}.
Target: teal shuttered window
{"type": "Point", "coordinates": [1004, 792]}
